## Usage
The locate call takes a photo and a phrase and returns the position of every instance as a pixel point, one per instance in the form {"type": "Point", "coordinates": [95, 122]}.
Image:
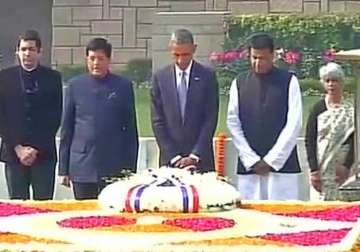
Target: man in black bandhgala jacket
{"type": "Point", "coordinates": [30, 114]}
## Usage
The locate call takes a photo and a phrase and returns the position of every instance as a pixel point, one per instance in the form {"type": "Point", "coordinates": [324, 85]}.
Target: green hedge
{"type": "Point", "coordinates": [312, 38]}
{"type": "Point", "coordinates": [298, 31]}
{"type": "Point", "coordinates": [136, 70]}
{"type": "Point", "coordinates": [69, 71]}
{"type": "Point", "coordinates": [309, 87]}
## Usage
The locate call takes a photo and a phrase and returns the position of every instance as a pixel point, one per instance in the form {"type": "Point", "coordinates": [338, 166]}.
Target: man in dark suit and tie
{"type": "Point", "coordinates": [98, 133]}
{"type": "Point", "coordinates": [184, 111]}
{"type": "Point", "coordinates": [30, 114]}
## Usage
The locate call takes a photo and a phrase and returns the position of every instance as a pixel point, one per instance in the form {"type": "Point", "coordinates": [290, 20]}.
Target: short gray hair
{"type": "Point", "coordinates": [332, 71]}
{"type": "Point", "coordinates": [182, 36]}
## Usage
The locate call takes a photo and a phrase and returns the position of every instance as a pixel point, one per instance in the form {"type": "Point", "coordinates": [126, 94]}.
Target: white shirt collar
{"type": "Point", "coordinates": [187, 70]}
{"type": "Point", "coordinates": [178, 73]}
{"type": "Point", "coordinates": [29, 69]}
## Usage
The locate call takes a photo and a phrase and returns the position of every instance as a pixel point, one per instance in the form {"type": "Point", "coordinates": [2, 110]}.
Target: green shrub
{"type": "Point", "coordinates": [350, 85]}
{"type": "Point", "coordinates": [316, 32]}
{"type": "Point", "coordinates": [69, 71]}
{"type": "Point", "coordinates": [138, 70]}
{"type": "Point", "coordinates": [313, 84]}
{"type": "Point", "coordinates": [310, 39]}
{"type": "Point", "coordinates": [309, 87]}
{"type": "Point", "coordinates": [224, 84]}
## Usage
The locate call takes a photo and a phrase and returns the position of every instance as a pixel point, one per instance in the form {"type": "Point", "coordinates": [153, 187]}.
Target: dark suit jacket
{"type": "Point", "coordinates": [98, 132]}
{"type": "Point", "coordinates": [201, 114]}
{"type": "Point", "coordinates": [45, 113]}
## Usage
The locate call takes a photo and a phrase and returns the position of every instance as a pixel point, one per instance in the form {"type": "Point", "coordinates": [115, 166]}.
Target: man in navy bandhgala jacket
{"type": "Point", "coordinates": [99, 134]}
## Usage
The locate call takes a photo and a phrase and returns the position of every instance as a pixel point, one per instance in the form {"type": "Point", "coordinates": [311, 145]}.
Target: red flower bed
{"type": "Point", "coordinates": [311, 238]}
{"type": "Point", "coordinates": [8, 209]}
{"type": "Point", "coordinates": [351, 214]}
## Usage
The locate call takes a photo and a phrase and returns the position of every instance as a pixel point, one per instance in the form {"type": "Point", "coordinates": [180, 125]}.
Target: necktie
{"type": "Point", "coordinates": [182, 92]}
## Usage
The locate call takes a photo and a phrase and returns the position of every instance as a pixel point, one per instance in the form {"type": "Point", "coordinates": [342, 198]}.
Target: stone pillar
{"type": "Point", "coordinates": [207, 27]}
{"type": "Point", "coordinates": [324, 6]}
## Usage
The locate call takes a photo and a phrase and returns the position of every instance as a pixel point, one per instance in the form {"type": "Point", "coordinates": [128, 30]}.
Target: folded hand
{"type": "Point", "coordinates": [185, 162]}
{"type": "Point", "coordinates": [26, 154]}
{"type": "Point", "coordinates": [261, 168]}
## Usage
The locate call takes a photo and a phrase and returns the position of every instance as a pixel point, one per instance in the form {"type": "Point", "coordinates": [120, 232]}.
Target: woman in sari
{"type": "Point", "coordinates": [329, 137]}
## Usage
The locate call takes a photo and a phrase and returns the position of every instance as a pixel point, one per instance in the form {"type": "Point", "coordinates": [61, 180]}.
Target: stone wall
{"type": "Point", "coordinates": [16, 16]}
{"type": "Point", "coordinates": [207, 27]}
{"type": "Point", "coordinates": [128, 23]}
{"type": "Point", "coordinates": [125, 23]}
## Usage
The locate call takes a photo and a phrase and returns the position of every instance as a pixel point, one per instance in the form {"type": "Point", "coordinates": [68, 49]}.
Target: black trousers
{"type": "Point", "coordinates": [40, 176]}
{"type": "Point", "coordinates": [85, 191]}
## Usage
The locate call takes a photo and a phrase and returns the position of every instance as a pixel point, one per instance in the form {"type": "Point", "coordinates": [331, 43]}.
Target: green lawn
{"type": "Point", "coordinates": [143, 112]}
